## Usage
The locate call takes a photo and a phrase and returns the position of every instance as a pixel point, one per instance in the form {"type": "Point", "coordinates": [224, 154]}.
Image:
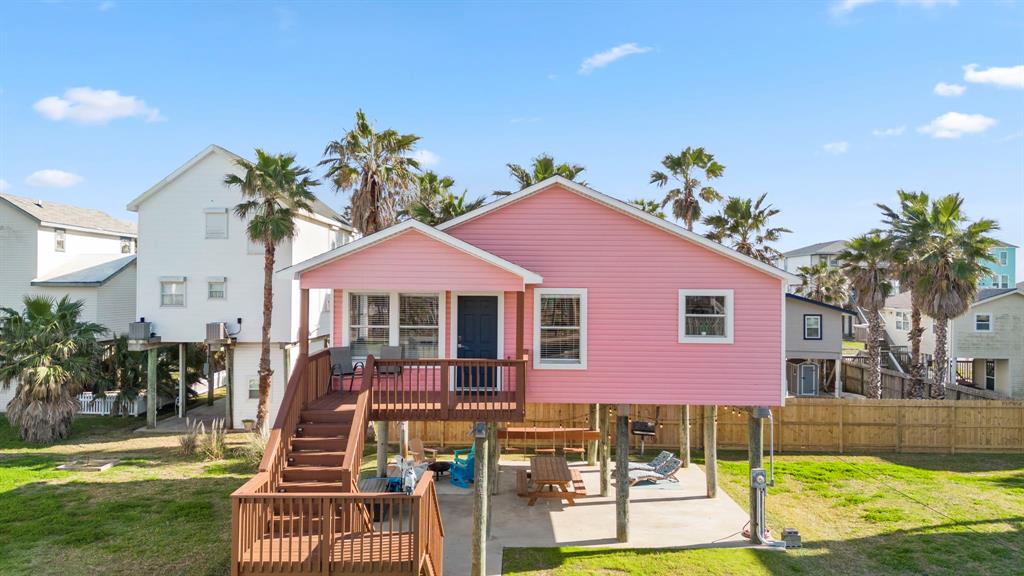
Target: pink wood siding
{"type": "Point", "coordinates": [633, 273]}
{"type": "Point", "coordinates": [411, 262]}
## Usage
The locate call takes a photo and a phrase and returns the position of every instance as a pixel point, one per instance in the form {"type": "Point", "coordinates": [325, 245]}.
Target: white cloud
{"type": "Point", "coordinates": [1007, 77]}
{"type": "Point", "coordinates": [105, 5]}
{"type": "Point", "coordinates": [847, 6]}
{"type": "Point", "coordinates": [888, 132]}
{"type": "Point", "coordinates": [85, 105]}
{"type": "Point", "coordinates": [943, 89]}
{"type": "Point", "coordinates": [52, 179]}
{"type": "Point", "coordinates": [837, 148]}
{"type": "Point", "coordinates": [955, 125]}
{"type": "Point", "coordinates": [1009, 137]}
{"type": "Point", "coordinates": [4, 185]}
{"type": "Point", "coordinates": [426, 157]}
{"type": "Point", "coordinates": [602, 59]}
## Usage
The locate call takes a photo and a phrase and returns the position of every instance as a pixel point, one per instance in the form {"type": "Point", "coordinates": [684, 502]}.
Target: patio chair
{"type": "Point", "coordinates": [653, 464]}
{"type": "Point", "coordinates": [343, 366]}
{"type": "Point", "coordinates": [390, 353]}
{"type": "Point", "coordinates": [666, 471]}
{"type": "Point", "coordinates": [462, 467]}
{"type": "Point", "coordinates": [421, 454]}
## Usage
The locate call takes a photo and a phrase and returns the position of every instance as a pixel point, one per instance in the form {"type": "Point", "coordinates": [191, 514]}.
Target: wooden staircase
{"type": "Point", "coordinates": [316, 456]}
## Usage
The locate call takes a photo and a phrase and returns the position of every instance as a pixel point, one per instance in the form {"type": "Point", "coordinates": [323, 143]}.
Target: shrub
{"type": "Point", "coordinates": [213, 445]}
{"type": "Point", "coordinates": [252, 451]}
{"type": "Point", "coordinates": [188, 442]}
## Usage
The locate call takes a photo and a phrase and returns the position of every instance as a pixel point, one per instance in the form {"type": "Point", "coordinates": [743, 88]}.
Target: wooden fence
{"type": "Point", "coordinates": [897, 385]}
{"type": "Point", "coordinates": [804, 425]}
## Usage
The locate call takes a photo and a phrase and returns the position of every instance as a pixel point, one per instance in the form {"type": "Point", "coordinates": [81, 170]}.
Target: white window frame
{"type": "Point", "coordinates": [217, 280]}
{"type": "Point", "coordinates": [991, 323]}
{"type": "Point", "coordinates": [538, 362]}
{"type": "Point", "coordinates": [995, 372]}
{"type": "Point", "coordinates": [184, 290]}
{"type": "Point", "coordinates": [729, 316]}
{"type": "Point", "coordinates": [207, 212]}
{"type": "Point", "coordinates": [1004, 257]}
{"type": "Point", "coordinates": [126, 242]}
{"type": "Point", "coordinates": [902, 320]}
{"type": "Point", "coordinates": [251, 389]}
{"type": "Point", "coordinates": [60, 240]}
{"type": "Point", "coordinates": [821, 330]}
{"type": "Point", "coordinates": [440, 317]}
{"type": "Point", "coordinates": [1004, 281]}
{"type": "Point", "coordinates": [393, 316]}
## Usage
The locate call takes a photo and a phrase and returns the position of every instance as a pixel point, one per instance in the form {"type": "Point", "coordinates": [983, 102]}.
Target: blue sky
{"type": "Point", "coordinates": [828, 107]}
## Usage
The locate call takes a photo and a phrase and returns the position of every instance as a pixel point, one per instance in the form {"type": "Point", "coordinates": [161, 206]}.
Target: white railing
{"type": "Point", "coordinates": [105, 404]}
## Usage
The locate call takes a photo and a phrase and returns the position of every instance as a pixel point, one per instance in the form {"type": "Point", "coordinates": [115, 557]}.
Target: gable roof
{"type": "Point", "coordinates": [989, 294]}
{"type": "Point", "coordinates": [818, 303]}
{"type": "Point", "coordinates": [57, 214]}
{"type": "Point", "coordinates": [366, 241]}
{"type": "Point", "coordinates": [830, 247]}
{"type": "Point", "coordinates": [1001, 244]}
{"type": "Point", "coordinates": [320, 208]}
{"type": "Point", "coordinates": [629, 210]}
{"type": "Point", "coordinates": [86, 270]}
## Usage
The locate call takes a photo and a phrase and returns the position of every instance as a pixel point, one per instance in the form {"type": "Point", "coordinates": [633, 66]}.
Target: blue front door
{"type": "Point", "coordinates": [477, 338]}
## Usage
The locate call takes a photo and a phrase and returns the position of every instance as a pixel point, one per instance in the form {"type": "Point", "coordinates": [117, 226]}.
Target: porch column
{"type": "Point", "coordinates": [480, 501]}
{"type": "Point", "coordinates": [603, 448]}
{"type": "Point", "coordinates": [492, 461]}
{"type": "Point", "coordinates": [382, 448]}
{"type": "Point", "coordinates": [756, 460]}
{"type": "Point", "coordinates": [520, 306]}
{"type": "Point", "coordinates": [182, 380]}
{"type": "Point", "coordinates": [151, 388]}
{"type": "Point", "coordinates": [595, 409]}
{"type": "Point", "coordinates": [684, 435]}
{"type": "Point", "coordinates": [229, 364]}
{"type": "Point", "coordinates": [403, 439]}
{"type": "Point", "coordinates": [303, 322]}
{"type": "Point", "coordinates": [839, 377]}
{"type": "Point", "coordinates": [622, 474]}
{"type": "Point", "coordinates": [711, 449]}
{"type": "Point", "coordinates": [211, 373]}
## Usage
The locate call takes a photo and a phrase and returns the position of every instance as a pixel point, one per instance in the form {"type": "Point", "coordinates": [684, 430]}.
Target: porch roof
{"type": "Point", "coordinates": [410, 256]}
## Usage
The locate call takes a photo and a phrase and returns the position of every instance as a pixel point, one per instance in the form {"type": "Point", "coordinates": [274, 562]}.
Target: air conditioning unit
{"type": "Point", "coordinates": [140, 330]}
{"type": "Point", "coordinates": [216, 332]}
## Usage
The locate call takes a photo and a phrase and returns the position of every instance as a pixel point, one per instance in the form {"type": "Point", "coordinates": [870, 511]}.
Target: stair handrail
{"type": "Point", "coordinates": [357, 432]}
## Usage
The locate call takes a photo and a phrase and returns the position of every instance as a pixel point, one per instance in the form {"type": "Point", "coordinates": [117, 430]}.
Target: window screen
{"type": "Point", "coordinates": [368, 323]}
{"type": "Point", "coordinates": [560, 328]}
{"type": "Point", "coordinates": [172, 293]}
{"type": "Point", "coordinates": [705, 316]}
{"type": "Point", "coordinates": [418, 325]}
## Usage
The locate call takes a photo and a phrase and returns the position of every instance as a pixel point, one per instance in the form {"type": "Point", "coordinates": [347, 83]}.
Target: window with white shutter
{"type": "Point", "coordinates": [560, 328]}
{"type": "Point", "coordinates": [172, 291]}
{"type": "Point", "coordinates": [216, 222]}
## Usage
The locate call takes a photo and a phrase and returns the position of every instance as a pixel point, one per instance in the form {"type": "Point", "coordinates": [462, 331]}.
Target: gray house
{"type": "Point", "coordinates": [814, 346]}
{"type": "Point", "coordinates": [988, 342]}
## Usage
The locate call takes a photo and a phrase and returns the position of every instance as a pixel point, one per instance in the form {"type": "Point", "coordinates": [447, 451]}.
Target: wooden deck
{"type": "Point", "coordinates": [426, 406]}
{"type": "Point", "coordinates": [350, 554]}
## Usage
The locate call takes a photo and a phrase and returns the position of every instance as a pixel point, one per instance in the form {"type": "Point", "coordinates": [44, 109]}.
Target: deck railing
{"type": "Point", "coordinates": [466, 389]}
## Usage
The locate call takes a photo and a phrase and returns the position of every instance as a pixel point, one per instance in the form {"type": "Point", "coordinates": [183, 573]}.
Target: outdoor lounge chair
{"type": "Point", "coordinates": [653, 464]}
{"type": "Point", "coordinates": [343, 366]}
{"type": "Point", "coordinates": [420, 453]}
{"type": "Point", "coordinates": [666, 471]}
{"type": "Point", "coordinates": [462, 467]}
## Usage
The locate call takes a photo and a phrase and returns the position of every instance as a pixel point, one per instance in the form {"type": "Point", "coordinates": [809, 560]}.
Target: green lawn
{"type": "Point", "coordinates": [155, 513]}
{"type": "Point", "coordinates": [858, 515]}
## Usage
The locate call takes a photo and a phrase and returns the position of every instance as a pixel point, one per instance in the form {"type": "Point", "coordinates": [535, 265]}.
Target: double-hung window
{"type": "Point", "coordinates": [1003, 258]}
{"type": "Point", "coordinates": [59, 239]}
{"type": "Point", "coordinates": [982, 322]}
{"type": "Point", "coordinates": [812, 326]}
{"type": "Point", "coordinates": [369, 323]}
{"type": "Point", "coordinates": [172, 291]}
{"type": "Point", "coordinates": [560, 328]}
{"type": "Point", "coordinates": [706, 316]}
{"type": "Point", "coordinates": [217, 288]}
{"type": "Point", "coordinates": [418, 325]}
{"type": "Point", "coordinates": [126, 245]}
{"type": "Point", "coordinates": [216, 222]}
{"type": "Point", "coordinates": [902, 320]}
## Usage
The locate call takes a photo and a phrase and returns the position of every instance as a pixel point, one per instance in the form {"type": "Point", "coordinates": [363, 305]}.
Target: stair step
{"type": "Point", "coordinates": [313, 458]}
{"type": "Point", "coordinates": [323, 429]}
{"type": "Point", "coordinates": [328, 416]}
{"type": "Point", "coordinates": [312, 473]}
{"type": "Point", "coordinates": [319, 444]}
{"type": "Point", "coordinates": [307, 487]}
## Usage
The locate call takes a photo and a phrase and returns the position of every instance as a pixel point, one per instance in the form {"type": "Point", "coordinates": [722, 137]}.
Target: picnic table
{"type": "Point", "coordinates": [550, 477]}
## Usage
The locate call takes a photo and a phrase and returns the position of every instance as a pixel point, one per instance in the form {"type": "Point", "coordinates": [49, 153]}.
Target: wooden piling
{"type": "Point", "coordinates": [756, 460]}
{"type": "Point", "coordinates": [604, 449]}
{"type": "Point", "coordinates": [480, 505]}
{"type": "Point", "coordinates": [382, 449]}
{"type": "Point", "coordinates": [595, 409]}
{"type": "Point", "coordinates": [622, 474]}
{"type": "Point", "coordinates": [684, 435]}
{"type": "Point", "coordinates": [151, 388]}
{"type": "Point", "coordinates": [711, 449]}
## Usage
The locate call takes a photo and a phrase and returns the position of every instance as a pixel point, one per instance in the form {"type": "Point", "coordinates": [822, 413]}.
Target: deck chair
{"type": "Point", "coordinates": [653, 464]}
{"type": "Point", "coordinates": [462, 467]}
{"type": "Point", "coordinates": [343, 366]}
{"type": "Point", "coordinates": [666, 471]}
{"type": "Point", "coordinates": [421, 454]}
{"type": "Point", "coordinates": [390, 353]}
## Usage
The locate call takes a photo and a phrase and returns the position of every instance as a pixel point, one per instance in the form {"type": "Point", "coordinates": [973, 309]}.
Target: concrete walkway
{"type": "Point", "coordinates": [203, 412]}
{"type": "Point", "coordinates": [662, 516]}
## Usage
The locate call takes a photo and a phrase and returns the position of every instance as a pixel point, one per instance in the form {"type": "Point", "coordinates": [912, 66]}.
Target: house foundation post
{"type": "Point", "coordinates": [756, 461]}
{"type": "Point", "coordinates": [211, 375]}
{"type": "Point", "coordinates": [151, 388]}
{"type": "Point", "coordinates": [492, 462]}
{"type": "Point", "coordinates": [684, 435]}
{"type": "Point", "coordinates": [382, 448]}
{"type": "Point", "coordinates": [711, 449]}
{"type": "Point", "coordinates": [229, 365]}
{"type": "Point", "coordinates": [622, 474]}
{"type": "Point", "coordinates": [403, 439]}
{"type": "Point", "coordinates": [182, 380]}
{"type": "Point", "coordinates": [604, 449]}
{"type": "Point", "coordinates": [480, 501]}
{"type": "Point", "coordinates": [595, 410]}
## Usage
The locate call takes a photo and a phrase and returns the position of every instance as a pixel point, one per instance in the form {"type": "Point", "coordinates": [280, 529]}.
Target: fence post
{"type": "Point", "coordinates": [899, 428]}
{"type": "Point", "coordinates": [841, 418]}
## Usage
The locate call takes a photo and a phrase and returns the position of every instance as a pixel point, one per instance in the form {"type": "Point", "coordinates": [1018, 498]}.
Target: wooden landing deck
{"type": "Point", "coordinates": [350, 555]}
{"type": "Point", "coordinates": [425, 406]}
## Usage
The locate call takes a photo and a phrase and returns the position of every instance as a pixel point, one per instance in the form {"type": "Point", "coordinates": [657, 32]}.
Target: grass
{"type": "Point", "coordinates": [852, 347]}
{"type": "Point", "coordinates": [858, 515]}
{"type": "Point", "coordinates": [155, 512]}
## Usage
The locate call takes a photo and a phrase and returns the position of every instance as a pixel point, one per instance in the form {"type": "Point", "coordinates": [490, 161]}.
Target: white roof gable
{"type": "Point", "coordinates": [628, 209]}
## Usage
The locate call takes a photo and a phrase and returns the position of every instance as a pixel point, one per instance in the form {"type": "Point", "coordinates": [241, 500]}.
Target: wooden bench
{"type": "Point", "coordinates": [577, 482]}
{"type": "Point", "coordinates": [526, 488]}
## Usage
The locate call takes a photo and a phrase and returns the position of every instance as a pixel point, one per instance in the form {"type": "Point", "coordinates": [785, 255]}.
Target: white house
{"type": "Point", "coordinates": [196, 266]}
{"type": "Point", "coordinates": [988, 342]}
{"type": "Point", "coordinates": [809, 255]}
{"type": "Point", "coordinates": [52, 249]}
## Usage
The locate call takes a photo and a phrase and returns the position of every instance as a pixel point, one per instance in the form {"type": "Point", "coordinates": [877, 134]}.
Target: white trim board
{"type": "Point", "coordinates": [628, 209]}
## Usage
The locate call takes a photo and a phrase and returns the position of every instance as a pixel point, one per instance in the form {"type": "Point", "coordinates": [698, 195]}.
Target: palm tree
{"type": "Point", "coordinates": [52, 354]}
{"type": "Point", "coordinates": [910, 228]}
{"type": "Point", "coordinates": [952, 262]}
{"type": "Point", "coordinates": [685, 200]}
{"type": "Point", "coordinates": [743, 226]}
{"type": "Point", "coordinates": [377, 167]}
{"type": "Point", "coordinates": [866, 263]}
{"type": "Point", "coordinates": [275, 191]}
{"type": "Point", "coordinates": [436, 203]}
{"type": "Point", "coordinates": [824, 283]}
{"type": "Point", "coordinates": [652, 207]}
{"type": "Point", "coordinates": [541, 168]}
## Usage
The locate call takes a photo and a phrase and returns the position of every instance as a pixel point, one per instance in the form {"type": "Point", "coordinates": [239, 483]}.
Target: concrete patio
{"type": "Point", "coordinates": [174, 425]}
{"type": "Point", "coordinates": [662, 516]}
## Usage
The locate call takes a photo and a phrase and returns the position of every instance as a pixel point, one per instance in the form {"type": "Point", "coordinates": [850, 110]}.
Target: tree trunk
{"type": "Point", "coordinates": [937, 390]}
{"type": "Point", "coordinates": [873, 387]}
{"type": "Point", "coordinates": [268, 310]}
{"type": "Point", "coordinates": [916, 367]}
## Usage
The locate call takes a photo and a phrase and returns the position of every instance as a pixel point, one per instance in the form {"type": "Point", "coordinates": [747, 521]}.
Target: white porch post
{"type": "Point", "coordinates": [182, 380]}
